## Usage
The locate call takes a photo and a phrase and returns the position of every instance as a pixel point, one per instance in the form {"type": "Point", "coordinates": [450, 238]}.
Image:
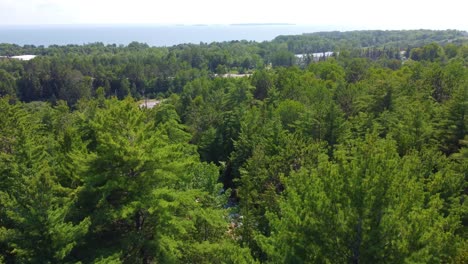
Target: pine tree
{"type": "Point", "coordinates": [35, 205]}
{"type": "Point", "coordinates": [148, 197]}
{"type": "Point", "coordinates": [369, 206]}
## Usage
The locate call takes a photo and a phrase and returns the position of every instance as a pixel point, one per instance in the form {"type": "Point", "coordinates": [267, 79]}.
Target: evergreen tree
{"type": "Point", "coordinates": [368, 206]}
{"type": "Point", "coordinates": [35, 205]}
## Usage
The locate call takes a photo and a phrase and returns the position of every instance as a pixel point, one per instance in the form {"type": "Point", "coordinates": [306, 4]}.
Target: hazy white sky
{"type": "Point", "coordinates": [397, 14]}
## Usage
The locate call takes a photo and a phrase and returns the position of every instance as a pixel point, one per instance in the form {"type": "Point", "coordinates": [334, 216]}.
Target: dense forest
{"type": "Point", "coordinates": [357, 157]}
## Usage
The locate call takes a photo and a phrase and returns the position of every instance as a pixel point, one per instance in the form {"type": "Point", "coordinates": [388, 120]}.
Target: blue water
{"type": "Point", "coordinates": [152, 35]}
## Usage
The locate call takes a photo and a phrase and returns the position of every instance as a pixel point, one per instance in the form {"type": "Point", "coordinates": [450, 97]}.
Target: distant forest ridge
{"type": "Point", "coordinates": [333, 40]}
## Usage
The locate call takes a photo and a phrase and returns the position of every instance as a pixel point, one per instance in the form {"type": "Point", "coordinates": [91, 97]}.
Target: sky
{"type": "Point", "coordinates": [358, 14]}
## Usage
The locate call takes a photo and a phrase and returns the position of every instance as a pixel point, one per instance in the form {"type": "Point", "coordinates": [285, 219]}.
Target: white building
{"type": "Point", "coordinates": [24, 57]}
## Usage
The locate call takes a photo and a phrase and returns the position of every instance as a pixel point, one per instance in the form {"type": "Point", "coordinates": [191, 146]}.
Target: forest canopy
{"type": "Point", "coordinates": [253, 154]}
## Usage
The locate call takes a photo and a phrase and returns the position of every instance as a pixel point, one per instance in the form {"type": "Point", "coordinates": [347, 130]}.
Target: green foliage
{"type": "Point", "coordinates": [328, 41]}
{"type": "Point", "coordinates": [360, 157]}
{"type": "Point", "coordinates": [431, 52]}
{"type": "Point", "coordinates": [369, 205]}
{"type": "Point", "coordinates": [35, 203]}
{"type": "Point", "coordinates": [7, 84]}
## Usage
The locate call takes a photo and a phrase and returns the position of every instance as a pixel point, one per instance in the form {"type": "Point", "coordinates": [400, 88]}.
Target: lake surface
{"type": "Point", "coordinates": [152, 35]}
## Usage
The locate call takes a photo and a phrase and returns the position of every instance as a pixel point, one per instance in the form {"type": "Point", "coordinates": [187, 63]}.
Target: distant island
{"type": "Point", "coordinates": [263, 24]}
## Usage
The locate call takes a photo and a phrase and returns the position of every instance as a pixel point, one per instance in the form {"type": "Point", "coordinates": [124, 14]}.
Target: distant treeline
{"type": "Point", "coordinates": [401, 39]}
{"type": "Point", "coordinates": [76, 71]}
